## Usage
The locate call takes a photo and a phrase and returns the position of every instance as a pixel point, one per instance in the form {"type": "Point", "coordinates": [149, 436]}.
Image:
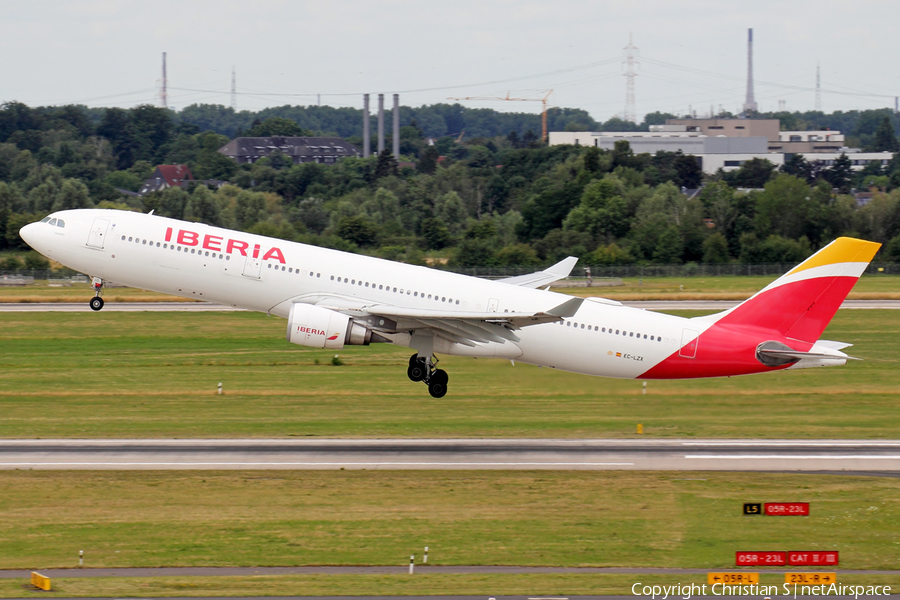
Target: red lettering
{"type": "Point", "coordinates": [209, 240]}
{"type": "Point", "coordinates": [274, 253]}
{"type": "Point", "coordinates": [237, 245]}
{"type": "Point", "coordinates": [188, 238]}
{"type": "Point", "coordinates": [255, 250]}
{"type": "Point", "coordinates": [168, 234]}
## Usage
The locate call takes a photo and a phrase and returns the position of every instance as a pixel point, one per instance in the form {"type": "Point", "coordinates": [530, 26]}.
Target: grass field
{"type": "Point", "coordinates": [384, 585]}
{"type": "Point", "coordinates": [567, 518]}
{"type": "Point", "coordinates": [155, 374]}
{"type": "Point", "coordinates": [869, 287]}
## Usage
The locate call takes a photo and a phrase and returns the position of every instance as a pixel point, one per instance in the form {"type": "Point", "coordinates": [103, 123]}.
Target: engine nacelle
{"type": "Point", "coordinates": [318, 327]}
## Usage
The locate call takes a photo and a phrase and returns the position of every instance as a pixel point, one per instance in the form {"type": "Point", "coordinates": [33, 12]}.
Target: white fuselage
{"type": "Point", "coordinates": [269, 275]}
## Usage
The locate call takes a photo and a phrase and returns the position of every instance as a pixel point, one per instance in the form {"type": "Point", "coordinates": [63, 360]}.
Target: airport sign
{"type": "Point", "coordinates": [732, 578]}
{"type": "Point", "coordinates": [787, 509]}
{"type": "Point", "coordinates": [811, 578]}
{"type": "Point", "coordinates": [813, 559]}
{"type": "Point", "coordinates": [752, 508]}
{"type": "Point", "coordinates": [760, 559]}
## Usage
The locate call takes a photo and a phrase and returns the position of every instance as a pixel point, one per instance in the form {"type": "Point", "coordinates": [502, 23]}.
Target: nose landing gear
{"type": "Point", "coordinates": [422, 370]}
{"type": "Point", "coordinates": [96, 301]}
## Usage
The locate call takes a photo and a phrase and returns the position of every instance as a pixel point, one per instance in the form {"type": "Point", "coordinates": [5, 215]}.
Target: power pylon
{"type": "Point", "coordinates": [630, 62]}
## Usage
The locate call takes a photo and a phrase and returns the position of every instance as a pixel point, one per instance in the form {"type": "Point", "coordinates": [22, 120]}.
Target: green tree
{"type": "Point", "coordinates": [840, 174]}
{"type": "Point", "coordinates": [202, 207]}
{"type": "Point", "coordinates": [474, 253]}
{"type": "Point", "coordinates": [276, 126]}
{"type": "Point", "coordinates": [517, 255]}
{"type": "Point", "coordinates": [72, 194]}
{"type": "Point", "coordinates": [602, 212]}
{"type": "Point", "coordinates": [754, 173]}
{"type": "Point", "coordinates": [428, 161]}
{"type": "Point", "coordinates": [669, 246]}
{"type": "Point", "coordinates": [785, 207]}
{"type": "Point", "coordinates": [386, 165]}
{"type": "Point", "coordinates": [715, 249]}
{"type": "Point", "coordinates": [885, 138]}
{"type": "Point", "coordinates": [359, 230]}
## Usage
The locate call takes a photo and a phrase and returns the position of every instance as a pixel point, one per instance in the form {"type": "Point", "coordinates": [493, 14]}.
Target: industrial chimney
{"type": "Point", "coordinates": [750, 102]}
{"type": "Point", "coordinates": [380, 123]}
{"type": "Point", "coordinates": [367, 142]}
{"type": "Point", "coordinates": [396, 136]}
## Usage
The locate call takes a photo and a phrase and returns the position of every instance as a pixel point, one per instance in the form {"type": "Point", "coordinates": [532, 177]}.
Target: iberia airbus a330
{"type": "Point", "coordinates": [331, 299]}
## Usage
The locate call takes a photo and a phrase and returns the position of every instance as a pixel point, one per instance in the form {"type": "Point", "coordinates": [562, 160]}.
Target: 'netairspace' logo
{"type": "Point", "coordinates": [721, 589]}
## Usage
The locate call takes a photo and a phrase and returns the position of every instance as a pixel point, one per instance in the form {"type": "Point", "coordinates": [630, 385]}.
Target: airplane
{"type": "Point", "coordinates": [332, 299]}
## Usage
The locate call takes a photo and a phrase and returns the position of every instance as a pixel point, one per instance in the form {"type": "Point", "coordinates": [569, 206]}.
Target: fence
{"type": "Point", "coordinates": [647, 271]}
{"type": "Point", "coordinates": [597, 271]}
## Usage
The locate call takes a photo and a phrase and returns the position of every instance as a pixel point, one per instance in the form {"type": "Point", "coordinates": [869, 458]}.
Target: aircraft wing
{"type": "Point", "coordinates": [560, 270]}
{"type": "Point", "coordinates": [468, 328]}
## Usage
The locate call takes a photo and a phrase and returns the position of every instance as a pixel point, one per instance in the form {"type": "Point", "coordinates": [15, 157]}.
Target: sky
{"type": "Point", "coordinates": [692, 54]}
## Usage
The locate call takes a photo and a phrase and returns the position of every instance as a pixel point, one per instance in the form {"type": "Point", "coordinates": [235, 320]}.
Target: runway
{"type": "Point", "coordinates": [834, 456]}
{"type": "Point", "coordinates": [212, 307]}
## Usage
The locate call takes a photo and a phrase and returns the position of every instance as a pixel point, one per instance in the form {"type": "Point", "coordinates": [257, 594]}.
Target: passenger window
{"type": "Point", "coordinates": [617, 332]}
{"type": "Point", "coordinates": [457, 301]}
{"type": "Point", "coordinates": [123, 238]}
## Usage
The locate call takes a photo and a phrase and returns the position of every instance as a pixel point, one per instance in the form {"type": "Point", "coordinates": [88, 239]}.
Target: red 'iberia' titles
{"type": "Point", "coordinates": [216, 242]}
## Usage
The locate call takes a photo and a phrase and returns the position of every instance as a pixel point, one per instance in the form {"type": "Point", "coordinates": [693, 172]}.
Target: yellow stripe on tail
{"type": "Point", "coordinates": [841, 250]}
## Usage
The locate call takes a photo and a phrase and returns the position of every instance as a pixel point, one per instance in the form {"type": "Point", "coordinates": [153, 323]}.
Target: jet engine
{"type": "Point", "coordinates": [318, 327]}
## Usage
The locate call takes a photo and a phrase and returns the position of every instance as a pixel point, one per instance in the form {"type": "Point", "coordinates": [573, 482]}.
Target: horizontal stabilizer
{"type": "Point", "coordinates": [801, 355]}
{"type": "Point", "coordinates": [560, 270]}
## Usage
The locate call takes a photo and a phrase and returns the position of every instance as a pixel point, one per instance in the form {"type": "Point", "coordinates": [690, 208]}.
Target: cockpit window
{"type": "Point", "coordinates": [45, 219]}
{"type": "Point", "coordinates": [60, 223]}
{"type": "Point", "coordinates": [53, 221]}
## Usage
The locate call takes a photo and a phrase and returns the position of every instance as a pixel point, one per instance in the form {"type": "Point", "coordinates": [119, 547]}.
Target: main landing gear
{"type": "Point", "coordinates": [96, 301]}
{"type": "Point", "coordinates": [421, 369]}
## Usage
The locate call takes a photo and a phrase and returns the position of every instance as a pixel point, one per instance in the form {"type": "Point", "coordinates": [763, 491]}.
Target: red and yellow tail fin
{"type": "Point", "coordinates": [801, 303]}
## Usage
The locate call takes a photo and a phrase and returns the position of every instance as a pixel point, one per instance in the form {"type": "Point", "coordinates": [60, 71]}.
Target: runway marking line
{"type": "Point", "coordinates": [790, 457]}
{"type": "Point", "coordinates": [330, 464]}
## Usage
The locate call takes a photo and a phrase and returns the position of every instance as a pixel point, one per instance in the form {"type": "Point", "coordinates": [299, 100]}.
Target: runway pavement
{"type": "Point", "coordinates": [211, 307]}
{"type": "Point", "coordinates": [833, 456]}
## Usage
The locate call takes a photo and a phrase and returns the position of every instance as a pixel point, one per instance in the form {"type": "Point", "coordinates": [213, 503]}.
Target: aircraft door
{"type": "Point", "coordinates": [689, 340]}
{"type": "Point", "coordinates": [97, 235]}
{"type": "Point", "coordinates": [252, 267]}
{"type": "Point", "coordinates": [493, 303]}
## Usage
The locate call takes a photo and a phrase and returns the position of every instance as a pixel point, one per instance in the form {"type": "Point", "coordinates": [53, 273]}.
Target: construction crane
{"type": "Point", "coordinates": [543, 102]}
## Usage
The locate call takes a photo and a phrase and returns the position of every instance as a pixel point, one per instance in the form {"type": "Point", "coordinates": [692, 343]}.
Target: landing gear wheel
{"type": "Point", "coordinates": [413, 359]}
{"type": "Point", "coordinates": [437, 385]}
{"type": "Point", "coordinates": [96, 303]}
{"type": "Point", "coordinates": [417, 370]}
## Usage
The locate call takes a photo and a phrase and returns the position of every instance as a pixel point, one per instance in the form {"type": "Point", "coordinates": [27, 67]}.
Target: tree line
{"type": "Point", "coordinates": [502, 199]}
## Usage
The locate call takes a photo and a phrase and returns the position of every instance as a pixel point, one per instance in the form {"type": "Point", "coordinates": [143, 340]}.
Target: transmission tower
{"type": "Point", "coordinates": [818, 89]}
{"type": "Point", "coordinates": [163, 95]}
{"type": "Point", "coordinates": [233, 90]}
{"type": "Point", "coordinates": [630, 62]}
{"type": "Point", "coordinates": [750, 102]}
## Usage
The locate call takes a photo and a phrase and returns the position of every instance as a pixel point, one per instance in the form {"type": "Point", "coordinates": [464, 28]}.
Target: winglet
{"type": "Point", "coordinates": [563, 268]}
{"type": "Point", "coordinates": [549, 275]}
{"type": "Point", "coordinates": [566, 309]}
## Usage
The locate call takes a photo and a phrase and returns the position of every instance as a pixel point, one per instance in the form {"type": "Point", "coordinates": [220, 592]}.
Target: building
{"type": "Point", "coordinates": [767, 128]}
{"type": "Point", "coordinates": [166, 176]}
{"type": "Point", "coordinates": [728, 143]}
{"type": "Point", "coordinates": [714, 152]}
{"type": "Point", "coordinates": [808, 142]}
{"type": "Point", "coordinates": [325, 150]}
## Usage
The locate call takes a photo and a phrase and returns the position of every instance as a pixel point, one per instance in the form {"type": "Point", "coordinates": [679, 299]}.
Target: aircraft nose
{"type": "Point", "coordinates": [29, 233]}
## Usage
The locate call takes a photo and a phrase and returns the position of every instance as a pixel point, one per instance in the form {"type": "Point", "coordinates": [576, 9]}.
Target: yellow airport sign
{"type": "Point", "coordinates": [732, 578]}
{"type": "Point", "coordinates": [40, 582]}
{"type": "Point", "coordinates": [811, 578]}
